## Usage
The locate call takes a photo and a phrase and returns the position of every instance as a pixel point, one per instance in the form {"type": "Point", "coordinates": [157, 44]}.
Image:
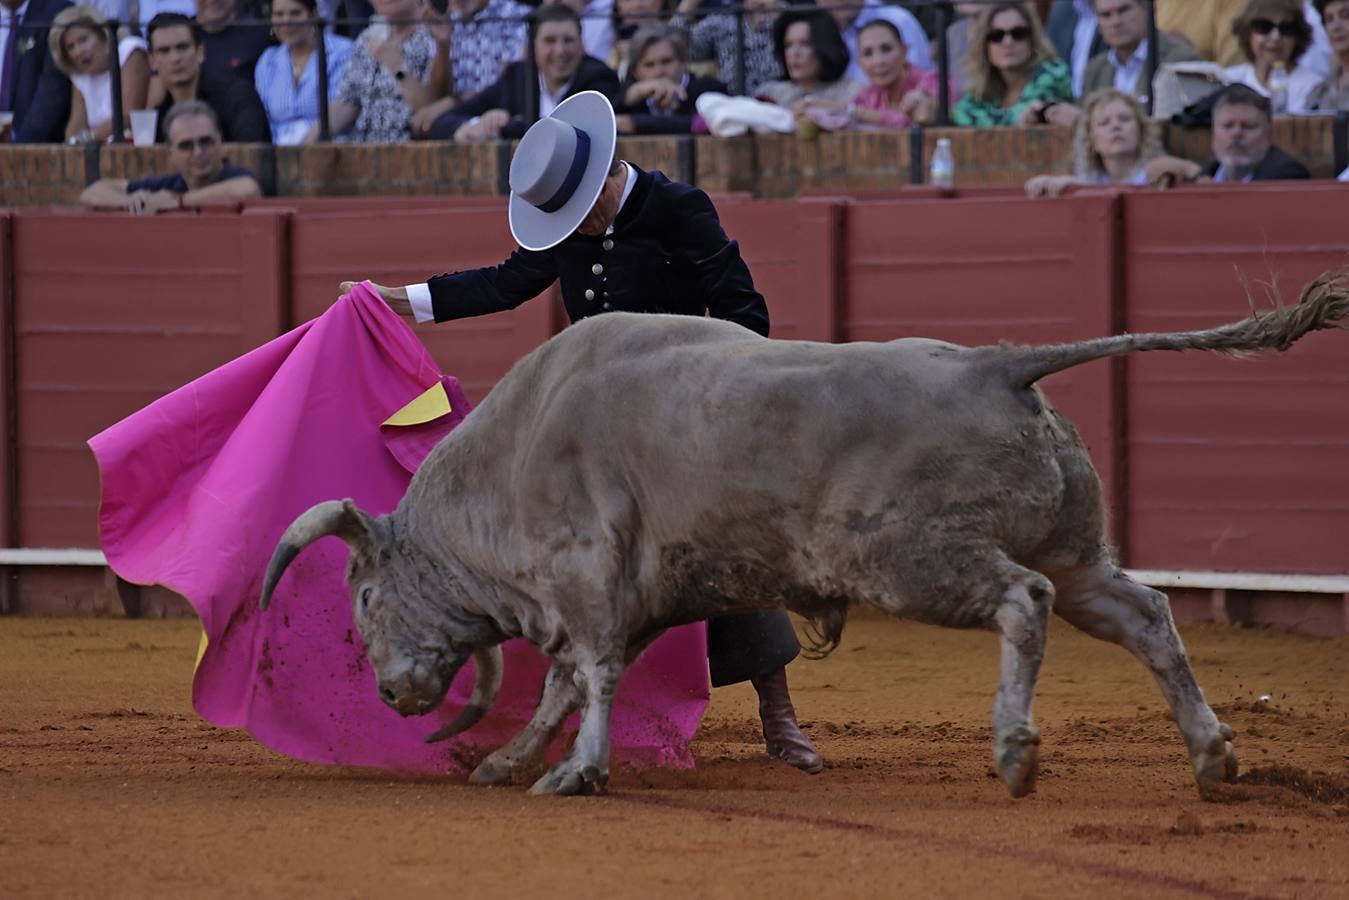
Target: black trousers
{"type": "Point", "coordinates": [746, 645]}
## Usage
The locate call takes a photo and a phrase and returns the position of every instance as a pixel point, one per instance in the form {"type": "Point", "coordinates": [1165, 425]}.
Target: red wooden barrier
{"type": "Point", "coordinates": [1235, 464]}
{"type": "Point", "coordinates": [111, 312]}
{"type": "Point", "coordinates": [1231, 465]}
{"type": "Point", "coordinates": [9, 519]}
{"type": "Point", "coordinates": [792, 249]}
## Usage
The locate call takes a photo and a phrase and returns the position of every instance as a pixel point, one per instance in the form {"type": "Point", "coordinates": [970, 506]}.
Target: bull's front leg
{"type": "Point", "coordinates": [586, 768]}
{"type": "Point", "coordinates": [559, 697]}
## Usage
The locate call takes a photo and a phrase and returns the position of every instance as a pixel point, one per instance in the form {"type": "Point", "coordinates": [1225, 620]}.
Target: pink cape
{"type": "Point", "coordinates": [199, 486]}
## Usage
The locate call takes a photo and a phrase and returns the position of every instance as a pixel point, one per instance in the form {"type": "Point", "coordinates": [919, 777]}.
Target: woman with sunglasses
{"type": "Point", "coordinates": [1014, 77]}
{"type": "Point", "coordinates": [1273, 34]}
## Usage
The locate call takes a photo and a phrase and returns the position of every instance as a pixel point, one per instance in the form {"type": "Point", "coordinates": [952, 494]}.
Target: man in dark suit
{"type": "Point", "coordinates": [33, 91]}
{"type": "Point", "coordinates": [1243, 146]}
{"type": "Point", "coordinates": [621, 239]}
{"type": "Point", "coordinates": [508, 106]}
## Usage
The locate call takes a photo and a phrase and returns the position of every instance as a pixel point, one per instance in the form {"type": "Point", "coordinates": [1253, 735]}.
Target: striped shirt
{"type": "Point", "coordinates": [293, 108]}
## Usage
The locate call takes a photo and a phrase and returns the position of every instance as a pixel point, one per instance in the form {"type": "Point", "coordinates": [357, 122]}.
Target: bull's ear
{"type": "Point", "coordinates": [341, 518]}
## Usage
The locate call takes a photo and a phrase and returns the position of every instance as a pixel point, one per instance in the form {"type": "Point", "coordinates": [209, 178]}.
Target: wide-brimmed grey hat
{"type": "Point", "coordinates": [559, 168]}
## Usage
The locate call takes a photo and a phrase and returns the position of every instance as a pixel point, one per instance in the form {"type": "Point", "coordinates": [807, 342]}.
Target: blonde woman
{"type": "Point", "coordinates": [1114, 144]}
{"type": "Point", "coordinates": [80, 47]}
{"type": "Point", "coordinates": [1013, 75]}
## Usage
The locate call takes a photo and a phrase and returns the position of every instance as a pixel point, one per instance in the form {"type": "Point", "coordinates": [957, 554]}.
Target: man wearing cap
{"type": "Point", "coordinates": [621, 239]}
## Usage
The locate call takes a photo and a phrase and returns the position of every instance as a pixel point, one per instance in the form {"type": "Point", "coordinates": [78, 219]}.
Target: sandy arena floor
{"type": "Point", "coordinates": [111, 786]}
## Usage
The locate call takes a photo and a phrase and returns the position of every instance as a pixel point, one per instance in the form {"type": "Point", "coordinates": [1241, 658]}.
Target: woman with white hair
{"type": "Point", "coordinates": [80, 47]}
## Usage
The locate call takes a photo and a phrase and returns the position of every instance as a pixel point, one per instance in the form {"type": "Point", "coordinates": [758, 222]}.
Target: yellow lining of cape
{"type": "Point", "coordinates": [430, 405]}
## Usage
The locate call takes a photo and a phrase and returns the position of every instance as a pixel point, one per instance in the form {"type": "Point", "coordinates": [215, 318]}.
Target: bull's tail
{"type": "Point", "coordinates": [1324, 304]}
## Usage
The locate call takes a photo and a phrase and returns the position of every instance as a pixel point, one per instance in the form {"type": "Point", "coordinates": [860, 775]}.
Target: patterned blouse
{"type": "Point", "coordinates": [481, 45]}
{"type": "Point", "coordinates": [1051, 81]}
{"type": "Point", "coordinates": [292, 108]}
{"type": "Point", "coordinates": [717, 37]}
{"type": "Point", "coordinates": [384, 116]}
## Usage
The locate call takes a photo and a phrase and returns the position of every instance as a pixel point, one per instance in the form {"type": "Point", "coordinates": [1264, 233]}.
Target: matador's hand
{"type": "Point", "coordinates": [397, 298]}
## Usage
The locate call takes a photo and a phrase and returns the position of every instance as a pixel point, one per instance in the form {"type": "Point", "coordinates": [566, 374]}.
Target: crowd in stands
{"type": "Point", "coordinates": [400, 70]}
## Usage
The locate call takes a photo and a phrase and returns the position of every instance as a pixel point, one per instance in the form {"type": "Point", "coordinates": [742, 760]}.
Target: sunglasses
{"type": "Point", "coordinates": [205, 142]}
{"type": "Point", "coordinates": [1020, 34]}
{"type": "Point", "coordinates": [1286, 28]}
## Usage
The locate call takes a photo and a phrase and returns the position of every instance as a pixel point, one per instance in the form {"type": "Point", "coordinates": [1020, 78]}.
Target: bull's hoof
{"type": "Point", "coordinates": [1019, 759]}
{"type": "Point", "coordinates": [1216, 763]}
{"type": "Point", "coordinates": [492, 771]}
{"type": "Point", "coordinates": [570, 779]}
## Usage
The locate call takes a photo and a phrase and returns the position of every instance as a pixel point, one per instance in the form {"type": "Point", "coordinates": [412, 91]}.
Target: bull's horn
{"type": "Point", "coordinates": [338, 517]}
{"type": "Point", "coordinates": [487, 681]}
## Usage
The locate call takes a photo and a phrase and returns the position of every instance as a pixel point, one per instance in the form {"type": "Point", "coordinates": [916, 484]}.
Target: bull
{"type": "Point", "coordinates": [639, 472]}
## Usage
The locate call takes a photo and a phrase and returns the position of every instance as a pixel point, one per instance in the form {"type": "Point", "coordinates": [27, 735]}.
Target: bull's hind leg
{"type": "Point", "coordinates": [586, 768]}
{"type": "Point", "coordinates": [1021, 620]}
{"type": "Point", "coordinates": [1106, 603]}
{"type": "Point", "coordinates": [560, 696]}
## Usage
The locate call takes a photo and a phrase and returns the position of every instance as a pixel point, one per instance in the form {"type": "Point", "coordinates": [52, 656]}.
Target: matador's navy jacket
{"type": "Point", "coordinates": [667, 254]}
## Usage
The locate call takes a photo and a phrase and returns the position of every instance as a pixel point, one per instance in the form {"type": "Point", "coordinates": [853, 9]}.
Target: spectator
{"type": "Point", "coordinates": [854, 15]}
{"type": "Point", "coordinates": [33, 91]}
{"type": "Point", "coordinates": [898, 93]}
{"type": "Point", "coordinates": [1243, 149]}
{"type": "Point", "coordinates": [718, 37]}
{"type": "Point", "coordinates": [389, 77]}
{"type": "Point", "coordinates": [1114, 144]}
{"type": "Point", "coordinates": [629, 16]}
{"type": "Point", "coordinates": [287, 75]}
{"type": "Point", "coordinates": [1124, 27]}
{"type": "Point", "coordinates": [811, 51]}
{"type": "Point", "coordinates": [659, 94]}
{"type": "Point", "coordinates": [484, 36]}
{"type": "Point", "coordinates": [201, 175]}
{"type": "Point", "coordinates": [1207, 26]}
{"type": "Point", "coordinates": [232, 49]}
{"type": "Point", "coordinates": [507, 107]}
{"type": "Point", "coordinates": [176, 55]}
{"type": "Point", "coordinates": [1332, 94]}
{"type": "Point", "coordinates": [80, 46]}
{"type": "Point", "coordinates": [1274, 33]}
{"type": "Point", "coordinates": [1014, 76]}
{"type": "Point", "coordinates": [1072, 31]}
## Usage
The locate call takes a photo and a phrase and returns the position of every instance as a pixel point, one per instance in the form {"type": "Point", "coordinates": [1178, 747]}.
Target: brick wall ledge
{"type": "Point", "coordinates": [770, 165]}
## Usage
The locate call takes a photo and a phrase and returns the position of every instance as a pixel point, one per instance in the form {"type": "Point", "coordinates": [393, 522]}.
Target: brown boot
{"type": "Point", "coordinates": [782, 736]}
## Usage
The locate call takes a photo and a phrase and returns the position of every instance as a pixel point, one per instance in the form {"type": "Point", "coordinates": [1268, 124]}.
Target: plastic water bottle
{"type": "Point", "coordinates": [1278, 89]}
{"type": "Point", "coordinates": [942, 173]}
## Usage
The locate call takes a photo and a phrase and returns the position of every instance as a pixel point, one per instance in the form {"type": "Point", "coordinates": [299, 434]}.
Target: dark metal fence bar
{"type": "Point", "coordinates": [115, 76]}
{"type": "Point", "coordinates": [325, 132]}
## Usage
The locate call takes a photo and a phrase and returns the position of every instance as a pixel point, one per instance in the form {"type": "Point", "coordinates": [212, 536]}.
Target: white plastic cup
{"type": "Point", "coordinates": [143, 124]}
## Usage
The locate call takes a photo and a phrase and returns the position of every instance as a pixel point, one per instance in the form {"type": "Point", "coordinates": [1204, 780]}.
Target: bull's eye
{"type": "Point", "coordinates": [366, 593]}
